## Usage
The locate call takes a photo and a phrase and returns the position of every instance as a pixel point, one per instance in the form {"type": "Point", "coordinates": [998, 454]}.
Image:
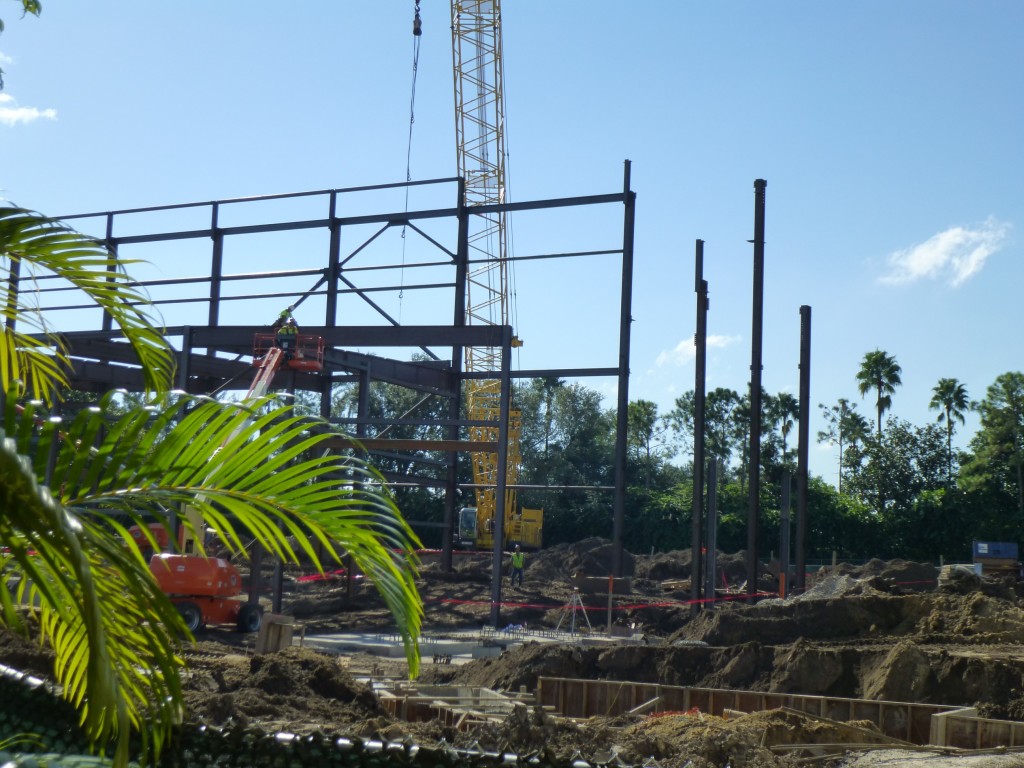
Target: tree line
{"type": "Point", "coordinates": [904, 490]}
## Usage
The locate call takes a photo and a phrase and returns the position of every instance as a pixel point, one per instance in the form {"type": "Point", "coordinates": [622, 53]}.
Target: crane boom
{"type": "Point", "coordinates": [480, 146]}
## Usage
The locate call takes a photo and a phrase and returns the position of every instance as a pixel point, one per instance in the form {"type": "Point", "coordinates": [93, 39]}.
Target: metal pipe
{"type": "Point", "coordinates": [216, 266]}
{"type": "Point", "coordinates": [711, 561]}
{"type": "Point", "coordinates": [803, 446]}
{"type": "Point", "coordinates": [455, 403]}
{"type": "Point", "coordinates": [502, 481]}
{"type": "Point", "coordinates": [622, 415]}
{"type": "Point", "coordinates": [333, 263]}
{"type": "Point", "coordinates": [700, 339]}
{"type": "Point", "coordinates": [754, 454]}
{"type": "Point", "coordinates": [784, 537]}
{"type": "Point", "coordinates": [111, 246]}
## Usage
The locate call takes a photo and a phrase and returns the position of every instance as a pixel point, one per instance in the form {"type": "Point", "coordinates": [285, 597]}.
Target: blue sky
{"type": "Point", "coordinates": [889, 134]}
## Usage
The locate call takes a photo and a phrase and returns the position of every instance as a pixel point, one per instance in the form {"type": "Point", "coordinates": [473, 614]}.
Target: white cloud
{"type": "Point", "coordinates": [954, 255]}
{"type": "Point", "coordinates": [5, 60]}
{"type": "Point", "coordinates": [685, 351]}
{"type": "Point", "coordinates": [12, 114]}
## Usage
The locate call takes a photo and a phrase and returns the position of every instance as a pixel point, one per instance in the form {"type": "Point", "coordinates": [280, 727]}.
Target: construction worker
{"type": "Point", "coordinates": [282, 318]}
{"type": "Point", "coordinates": [518, 563]}
{"type": "Point", "coordinates": [287, 337]}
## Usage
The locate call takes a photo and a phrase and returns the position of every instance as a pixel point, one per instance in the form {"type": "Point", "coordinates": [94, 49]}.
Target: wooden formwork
{"type": "Point", "coordinates": [459, 707]}
{"type": "Point", "coordinates": [962, 728]}
{"type": "Point", "coordinates": [587, 698]}
{"type": "Point", "coordinates": [922, 724]}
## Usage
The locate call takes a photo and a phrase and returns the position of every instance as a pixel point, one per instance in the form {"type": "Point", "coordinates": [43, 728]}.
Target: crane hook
{"type": "Point", "coordinates": [417, 24]}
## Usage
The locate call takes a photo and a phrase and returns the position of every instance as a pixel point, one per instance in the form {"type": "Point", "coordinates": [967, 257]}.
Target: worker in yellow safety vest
{"type": "Point", "coordinates": [287, 336]}
{"type": "Point", "coordinates": [282, 319]}
{"type": "Point", "coordinates": [518, 563]}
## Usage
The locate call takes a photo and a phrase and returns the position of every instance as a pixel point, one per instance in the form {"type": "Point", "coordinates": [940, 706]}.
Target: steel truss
{"type": "Point", "coordinates": [213, 356]}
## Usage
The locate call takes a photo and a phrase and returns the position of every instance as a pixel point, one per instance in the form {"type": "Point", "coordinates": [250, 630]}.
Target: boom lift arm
{"type": "Point", "coordinates": [305, 354]}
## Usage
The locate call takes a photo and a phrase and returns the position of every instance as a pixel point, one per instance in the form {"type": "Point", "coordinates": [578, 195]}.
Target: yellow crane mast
{"type": "Point", "coordinates": [480, 143]}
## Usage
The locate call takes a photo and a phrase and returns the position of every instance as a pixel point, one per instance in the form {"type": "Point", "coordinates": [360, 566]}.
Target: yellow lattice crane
{"type": "Point", "coordinates": [480, 143]}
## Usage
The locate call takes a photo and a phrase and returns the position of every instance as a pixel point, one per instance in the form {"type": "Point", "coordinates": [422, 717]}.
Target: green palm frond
{"type": "Point", "coordinates": [31, 246]}
{"type": "Point", "coordinates": [245, 473]}
{"type": "Point", "coordinates": [91, 601]}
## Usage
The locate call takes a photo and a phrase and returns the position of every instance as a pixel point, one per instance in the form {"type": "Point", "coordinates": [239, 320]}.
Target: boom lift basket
{"type": "Point", "coordinates": [306, 355]}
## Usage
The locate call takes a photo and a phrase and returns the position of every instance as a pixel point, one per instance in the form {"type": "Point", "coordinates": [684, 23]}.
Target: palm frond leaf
{"type": "Point", "coordinates": [32, 245]}
{"type": "Point", "coordinates": [113, 631]}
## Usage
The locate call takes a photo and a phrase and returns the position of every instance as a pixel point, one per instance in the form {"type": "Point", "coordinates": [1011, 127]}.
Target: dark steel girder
{"type": "Point", "coordinates": [424, 376]}
{"type": "Point", "coordinates": [238, 338]}
{"type": "Point", "coordinates": [95, 351]}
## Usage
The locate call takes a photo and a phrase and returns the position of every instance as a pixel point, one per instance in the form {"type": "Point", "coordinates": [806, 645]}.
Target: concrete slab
{"type": "Point", "coordinates": [463, 644]}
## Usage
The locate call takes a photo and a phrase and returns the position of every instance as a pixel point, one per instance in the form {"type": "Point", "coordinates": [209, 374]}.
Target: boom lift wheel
{"type": "Point", "coordinates": [250, 617]}
{"type": "Point", "coordinates": [191, 614]}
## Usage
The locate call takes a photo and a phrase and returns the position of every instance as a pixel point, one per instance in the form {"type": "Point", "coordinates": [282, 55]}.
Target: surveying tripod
{"type": "Point", "coordinates": [575, 604]}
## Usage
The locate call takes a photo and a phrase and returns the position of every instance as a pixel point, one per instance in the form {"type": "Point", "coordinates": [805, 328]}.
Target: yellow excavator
{"type": "Point", "coordinates": [476, 531]}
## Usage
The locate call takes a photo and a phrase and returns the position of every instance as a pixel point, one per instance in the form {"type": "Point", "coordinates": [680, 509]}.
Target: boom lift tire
{"type": "Point", "coordinates": [250, 617]}
{"type": "Point", "coordinates": [191, 613]}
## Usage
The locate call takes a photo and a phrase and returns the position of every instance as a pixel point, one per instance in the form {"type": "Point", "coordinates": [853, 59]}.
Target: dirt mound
{"type": "Point", "coordinates": [903, 674]}
{"type": "Point", "coordinates": [973, 618]}
{"type": "Point", "coordinates": [780, 622]}
{"type": "Point", "coordinates": [893, 576]}
{"type": "Point", "coordinates": [678, 564]}
{"type": "Point", "coordinates": [662, 566]}
{"type": "Point", "coordinates": [742, 740]}
{"type": "Point", "coordinates": [518, 666]}
{"type": "Point", "coordinates": [879, 630]}
{"type": "Point", "coordinates": [589, 557]}
{"type": "Point", "coordinates": [297, 690]}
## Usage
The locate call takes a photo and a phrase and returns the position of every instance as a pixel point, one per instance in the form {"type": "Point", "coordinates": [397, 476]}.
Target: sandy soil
{"type": "Point", "coordinates": [886, 630]}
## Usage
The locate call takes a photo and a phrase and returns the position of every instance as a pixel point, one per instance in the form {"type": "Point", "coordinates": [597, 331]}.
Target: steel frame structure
{"type": "Point", "coordinates": [212, 356]}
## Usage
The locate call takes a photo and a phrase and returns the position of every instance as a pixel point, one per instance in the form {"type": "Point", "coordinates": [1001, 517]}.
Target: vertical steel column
{"type": "Point", "coordinates": [277, 593]}
{"type": "Point", "coordinates": [711, 561]}
{"type": "Point", "coordinates": [803, 446]}
{"type": "Point", "coordinates": [754, 454]}
{"type": "Point", "coordinates": [326, 390]}
{"type": "Point", "coordinates": [333, 263]}
{"type": "Point", "coordinates": [13, 294]}
{"type": "Point", "coordinates": [11, 317]}
{"type": "Point", "coordinates": [362, 414]}
{"type": "Point", "coordinates": [216, 266]}
{"type": "Point", "coordinates": [502, 479]}
{"type": "Point", "coordinates": [784, 537]}
{"type": "Point", "coordinates": [111, 245]}
{"type": "Point", "coordinates": [700, 340]}
{"type": "Point", "coordinates": [622, 416]}
{"type": "Point", "coordinates": [331, 312]}
{"type": "Point", "coordinates": [255, 572]}
{"type": "Point", "coordinates": [455, 400]}
{"type": "Point", "coordinates": [185, 359]}
{"type": "Point", "coordinates": [363, 402]}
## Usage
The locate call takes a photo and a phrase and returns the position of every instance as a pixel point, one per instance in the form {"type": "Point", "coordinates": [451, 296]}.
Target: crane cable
{"type": "Point", "coordinates": [417, 33]}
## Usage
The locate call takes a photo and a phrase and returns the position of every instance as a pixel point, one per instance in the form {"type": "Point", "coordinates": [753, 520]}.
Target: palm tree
{"type": "Point", "coordinates": [880, 372]}
{"type": "Point", "coordinates": [71, 489]}
{"type": "Point", "coordinates": [856, 428]}
{"type": "Point", "coordinates": [949, 397]}
{"type": "Point", "coordinates": [784, 410]}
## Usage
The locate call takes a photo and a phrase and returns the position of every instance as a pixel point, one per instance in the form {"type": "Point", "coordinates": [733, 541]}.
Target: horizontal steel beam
{"type": "Point", "coordinates": [399, 444]}
{"type": "Point", "coordinates": [414, 375]}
